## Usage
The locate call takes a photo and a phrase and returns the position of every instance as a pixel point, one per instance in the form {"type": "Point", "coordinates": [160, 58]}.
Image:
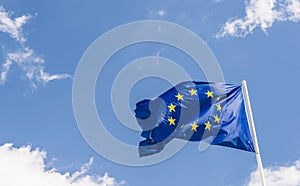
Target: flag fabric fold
{"type": "Point", "coordinates": [195, 111]}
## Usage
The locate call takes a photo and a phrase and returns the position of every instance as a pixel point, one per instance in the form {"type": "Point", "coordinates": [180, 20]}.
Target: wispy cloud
{"type": "Point", "coordinates": [161, 13]}
{"type": "Point", "coordinates": [31, 65]}
{"type": "Point", "coordinates": [261, 13]}
{"type": "Point", "coordinates": [153, 14]}
{"type": "Point", "coordinates": [13, 26]}
{"type": "Point", "coordinates": [277, 176]}
{"type": "Point", "coordinates": [24, 166]}
{"type": "Point", "coordinates": [4, 71]}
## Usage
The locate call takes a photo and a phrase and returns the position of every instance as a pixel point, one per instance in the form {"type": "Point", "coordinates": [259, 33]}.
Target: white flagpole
{"type": "Point", "coordinates": [253, 133]}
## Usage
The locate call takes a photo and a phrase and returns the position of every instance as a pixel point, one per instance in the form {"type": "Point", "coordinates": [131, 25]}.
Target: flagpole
{"type": "Point", "coordinates": [253, 132]}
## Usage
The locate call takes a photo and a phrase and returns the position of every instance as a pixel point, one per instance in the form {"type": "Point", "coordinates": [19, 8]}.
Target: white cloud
{"type": "Point", "coordinates": [293, 10]}
{"type": "Point", "coordinates": [278, 176]}
{"type": "Point", "coordinates": [32, 67]}
{"type": "Point", "coordinates": [13, 26]}
{"type": "Point", "coordinates": [26, 167]}
{"type": "Point", "coordinates": [4, 71]}
{"type": "Point", "coordinates": [261, 13]}
{"type": "Point", "coordinates": [152, 14]}
{"type": "Point", "coordinates": [161, 13]}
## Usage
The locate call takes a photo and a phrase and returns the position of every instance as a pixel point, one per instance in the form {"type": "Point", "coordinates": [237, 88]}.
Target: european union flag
{"type": "Point", "coordinates": [195, 111]}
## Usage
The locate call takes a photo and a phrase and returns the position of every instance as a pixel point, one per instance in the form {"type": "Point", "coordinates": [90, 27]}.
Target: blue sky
{"type": "Point", "coordinates": [42, 44]}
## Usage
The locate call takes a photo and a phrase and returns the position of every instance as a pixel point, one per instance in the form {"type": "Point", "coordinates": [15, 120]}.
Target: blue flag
{"type": "Point", "coordinates": [195, 111]}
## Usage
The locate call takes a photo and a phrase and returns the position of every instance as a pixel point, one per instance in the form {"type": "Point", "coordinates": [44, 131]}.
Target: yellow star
{"type": "Point", "coordinates": [218, 98]}
{"type": "Point", "coordinates": [193, 92]}
{"type": "Point", "coordinates": [179, 96]}
{"type": "Point", "coordinates": [219, 108]}
{"type": "Point", "coordinates": [171, 121]}
{"type": "Point", "coordinates": [207, 125]}
{"type": "Point", "coordinates": [209, 94]}
{"type": "Point", "coordinates": [194, 126]}
{"type": "Point", "coordinates": [217, 119]}
{"type": "Point", "coordinates": [172, 107]}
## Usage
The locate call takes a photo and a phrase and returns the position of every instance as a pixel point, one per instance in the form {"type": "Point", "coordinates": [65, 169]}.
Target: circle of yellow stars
{"type": "Point", "coordinates": [194, 125]}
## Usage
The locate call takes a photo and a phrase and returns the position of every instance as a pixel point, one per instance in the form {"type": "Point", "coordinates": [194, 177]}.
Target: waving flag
{"type": "Point", "coordinates": [195, 111]}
